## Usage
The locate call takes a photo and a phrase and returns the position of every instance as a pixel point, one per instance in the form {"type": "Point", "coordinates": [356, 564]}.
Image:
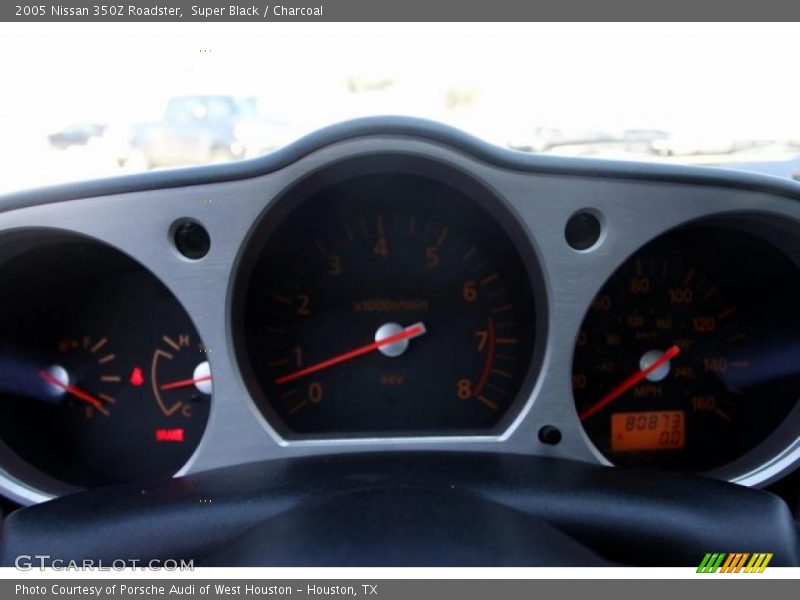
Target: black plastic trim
{"type": "Point", "coordinates": [630, 516]}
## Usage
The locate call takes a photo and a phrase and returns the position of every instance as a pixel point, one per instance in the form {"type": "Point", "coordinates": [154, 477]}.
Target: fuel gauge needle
{"type": "Point", "coordinates": [630, 382]}
{"type": "Point", "coordinates": [77, 392]}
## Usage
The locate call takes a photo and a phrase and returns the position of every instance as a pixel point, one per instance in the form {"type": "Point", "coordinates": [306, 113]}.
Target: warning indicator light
{"type": "Point", "coordinates": [169, 435]}
{"type": "Point", "coordinates": [136, 377]}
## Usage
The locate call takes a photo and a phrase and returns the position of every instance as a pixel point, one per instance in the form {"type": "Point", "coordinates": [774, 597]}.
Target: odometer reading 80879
{"type": "Point", "coordinates": [386, 303]}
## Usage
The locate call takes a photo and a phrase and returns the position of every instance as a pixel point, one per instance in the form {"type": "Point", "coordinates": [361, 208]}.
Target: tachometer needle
{"type": "Point", "coordinates": [630, 382]}
{"type": "Point", "coordinates": [184, 383]}
{"type": "Point", "coordinates": [412, 331]}
{"type": "Point", "coordinates": [77, 392]}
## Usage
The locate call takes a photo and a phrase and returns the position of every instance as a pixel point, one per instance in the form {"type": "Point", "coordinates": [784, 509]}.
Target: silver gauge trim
{"type": "Point", "coordinates": [136, 223]}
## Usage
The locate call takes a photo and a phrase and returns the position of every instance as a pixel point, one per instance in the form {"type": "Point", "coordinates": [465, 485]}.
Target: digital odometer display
{"type": "Point", "coordinates": [649, 430]}
{"type": "Point", "coordinates": [389, 303]}
{"type": "Point", "coordinates": [687, 358]}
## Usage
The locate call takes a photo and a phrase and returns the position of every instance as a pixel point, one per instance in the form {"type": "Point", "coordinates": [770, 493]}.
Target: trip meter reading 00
{"type": "Point", "coordinates": [687, 356]}
{"type": "Point", "coordinates": [387, 303]}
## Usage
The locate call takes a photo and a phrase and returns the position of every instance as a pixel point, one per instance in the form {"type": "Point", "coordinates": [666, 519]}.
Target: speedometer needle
{"type": "Point", "coordinates": [77, 392]}
{"type": "Point", "coordinates": [412, 331]}
{"type": "Point", "coordinates": [630, 382]}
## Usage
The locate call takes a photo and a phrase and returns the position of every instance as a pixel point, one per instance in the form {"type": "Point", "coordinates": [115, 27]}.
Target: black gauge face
{"type": "Point", "coordinates": [389, 304]}
{"type": "Point", "coordinates": [687, 358]}
{"type": "Point", "coordinates": [103, 378]}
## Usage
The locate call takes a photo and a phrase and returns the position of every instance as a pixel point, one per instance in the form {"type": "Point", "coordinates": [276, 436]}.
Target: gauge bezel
{"type": "Point", "coordinates": [638, 201]}
{"type": "Point", "coordinates": [779, 450]}
{"type": "Point", "coordinates": [389, 163]}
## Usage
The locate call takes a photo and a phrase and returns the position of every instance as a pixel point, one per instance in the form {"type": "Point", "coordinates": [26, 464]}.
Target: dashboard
{"type": "Point", "coordinates": [393, 284]}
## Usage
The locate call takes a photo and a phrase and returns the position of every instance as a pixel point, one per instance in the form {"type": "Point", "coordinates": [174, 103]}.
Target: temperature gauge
{"type": "Point", "coordinates": [180, 375]}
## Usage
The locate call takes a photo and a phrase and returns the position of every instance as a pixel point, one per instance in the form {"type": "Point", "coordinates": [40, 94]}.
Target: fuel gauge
{"type": "Point", "coordinates": [84, 362]}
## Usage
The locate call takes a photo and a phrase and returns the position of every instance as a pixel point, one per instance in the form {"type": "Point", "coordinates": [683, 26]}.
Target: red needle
{"type": "Point", "coordinates": [183, 383]}
{"type": "Point", "coordinates": [409, 332]}
{"type": "Point", "coordinates": [630, 382]}
{"type": "Point", "coordinates": [77, 392]}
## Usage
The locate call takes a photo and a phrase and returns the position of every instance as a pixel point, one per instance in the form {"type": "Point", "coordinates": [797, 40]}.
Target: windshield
{"type": "Point", "coordinates": [107, 100]}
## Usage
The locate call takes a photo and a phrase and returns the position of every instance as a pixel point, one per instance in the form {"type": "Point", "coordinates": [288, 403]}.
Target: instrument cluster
{"type": "Point", "coordinates": [408, 288]}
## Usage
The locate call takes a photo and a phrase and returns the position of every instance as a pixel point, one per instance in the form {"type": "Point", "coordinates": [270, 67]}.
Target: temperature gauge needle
{"type": "Point", "coordinates": [77, 392]}
{"type": "Point", "coordinates": [409, 332]}
{"type": "Point", "coordinates": [630, 382]}
{"type": "Point", "coordinates": [184, 383]}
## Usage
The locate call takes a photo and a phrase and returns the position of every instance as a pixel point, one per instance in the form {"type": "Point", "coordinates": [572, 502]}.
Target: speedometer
{"type": "Point", "coordinates": [378, 300]}
{"type": "Point", "coordinates": [687, 358]}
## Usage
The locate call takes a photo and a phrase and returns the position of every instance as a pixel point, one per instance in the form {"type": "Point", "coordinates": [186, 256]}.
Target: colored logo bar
{"type": "Point", "coordinates": [736, 562]}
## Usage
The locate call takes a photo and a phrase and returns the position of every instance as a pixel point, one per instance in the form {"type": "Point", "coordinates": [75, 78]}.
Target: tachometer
{"type": "Point", "coordinates": [687, 358]}
{"type": "Point", "coordinates": [387, 302]}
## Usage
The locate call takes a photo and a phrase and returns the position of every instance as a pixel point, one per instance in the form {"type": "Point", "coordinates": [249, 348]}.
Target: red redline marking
{"type": "Point", "coordinates": [630, 382]}
{"type": "Point", "coordinates": [487, 366]}
{"type": "Point", "coordinates": [408, 333]}
{"type": "Point", "coordinates": [184, 383]}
